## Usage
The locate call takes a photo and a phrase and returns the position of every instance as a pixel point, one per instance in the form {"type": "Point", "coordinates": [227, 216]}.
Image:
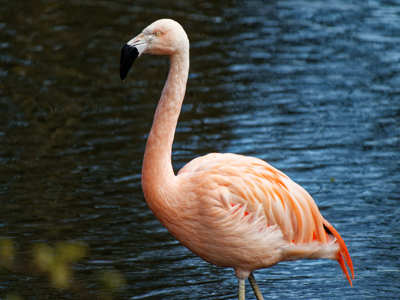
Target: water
{"type": "Point", "coordinates": [312, 87]}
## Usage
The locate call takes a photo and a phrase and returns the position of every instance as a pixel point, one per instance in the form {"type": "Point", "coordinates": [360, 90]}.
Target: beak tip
{"type": "Point", "coordinates": [122, 75]}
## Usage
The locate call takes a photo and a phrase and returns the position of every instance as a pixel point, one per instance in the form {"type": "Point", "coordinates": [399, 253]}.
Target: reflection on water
{"type": "Point", "coordinates": [311, 87]}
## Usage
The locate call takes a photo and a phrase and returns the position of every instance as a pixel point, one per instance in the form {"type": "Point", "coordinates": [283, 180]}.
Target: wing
{"type": "Point", "coordinates": [249, 185]}
{"type": "Point", "coordinates": [253, 183]}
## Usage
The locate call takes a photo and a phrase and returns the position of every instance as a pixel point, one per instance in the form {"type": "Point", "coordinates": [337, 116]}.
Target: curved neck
{"type": "Point", "coordinates": [157, 170]}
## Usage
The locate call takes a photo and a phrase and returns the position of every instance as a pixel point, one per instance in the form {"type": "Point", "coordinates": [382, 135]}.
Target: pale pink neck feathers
{"type": "Point", "coordinates": [157, 174]}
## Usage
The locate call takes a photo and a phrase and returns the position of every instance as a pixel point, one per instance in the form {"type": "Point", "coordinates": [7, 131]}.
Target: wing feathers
{"type": "Point", "coordinates": [260, 194]}
{"type": "Point", "coordinates": [343, 252]}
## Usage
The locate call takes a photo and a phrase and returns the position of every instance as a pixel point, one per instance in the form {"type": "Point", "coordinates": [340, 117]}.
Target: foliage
{"type": "Point", "coordinates": [56, 264]}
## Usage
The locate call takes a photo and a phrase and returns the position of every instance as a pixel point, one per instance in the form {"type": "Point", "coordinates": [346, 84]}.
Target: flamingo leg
{"type": "Point", "coordinates": [255, 287]}
{"type": "Point", "coordinates": [241, 289]}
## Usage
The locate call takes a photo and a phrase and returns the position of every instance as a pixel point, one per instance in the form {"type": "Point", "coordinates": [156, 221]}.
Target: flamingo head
{"type": "Point", "coordinates": [163, 37]}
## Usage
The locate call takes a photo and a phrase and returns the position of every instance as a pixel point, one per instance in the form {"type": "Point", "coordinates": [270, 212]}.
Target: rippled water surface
{"type": "Point", "coordinates": [313, 87]}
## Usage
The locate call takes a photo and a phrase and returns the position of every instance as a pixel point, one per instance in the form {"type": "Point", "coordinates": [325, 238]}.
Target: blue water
{"type": "Point", "coordinates": [312, 87]}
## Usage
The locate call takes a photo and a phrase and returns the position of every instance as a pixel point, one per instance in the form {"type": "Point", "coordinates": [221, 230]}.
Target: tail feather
{"type": "Point", "coordinates": [343, 254]}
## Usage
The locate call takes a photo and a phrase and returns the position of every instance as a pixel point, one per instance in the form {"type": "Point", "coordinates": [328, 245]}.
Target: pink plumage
{"type": "Point", "coordinates": [231, 210]}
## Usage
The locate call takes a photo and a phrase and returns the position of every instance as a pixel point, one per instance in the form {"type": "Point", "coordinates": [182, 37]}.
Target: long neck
{"type": "Point", "coordinates": [157, 172]}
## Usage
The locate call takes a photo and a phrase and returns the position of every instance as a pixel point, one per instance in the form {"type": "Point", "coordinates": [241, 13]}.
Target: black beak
{"type": "Point", "coordinates": [128, 56]}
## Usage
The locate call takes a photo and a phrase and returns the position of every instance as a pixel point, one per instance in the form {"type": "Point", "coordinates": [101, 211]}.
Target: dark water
{"type": "Point", "coordinates": [313, 87]}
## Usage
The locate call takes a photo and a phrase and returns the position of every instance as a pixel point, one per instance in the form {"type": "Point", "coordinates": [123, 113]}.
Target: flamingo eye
{"type": "Point", "coordinates": [157, 33]}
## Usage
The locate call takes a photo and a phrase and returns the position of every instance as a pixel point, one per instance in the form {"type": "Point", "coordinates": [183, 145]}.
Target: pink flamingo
{"type": "Point", "coordinates": [231, 210]}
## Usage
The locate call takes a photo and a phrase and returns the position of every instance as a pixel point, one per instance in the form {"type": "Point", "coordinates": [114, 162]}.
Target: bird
{"type": "Point", "coordinates": [231, 210]}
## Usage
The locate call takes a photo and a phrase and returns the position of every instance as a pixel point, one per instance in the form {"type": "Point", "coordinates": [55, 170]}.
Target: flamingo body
{"type": "Point", "coordinates": [231, 210]}
{"type": "Point", "coordinates": [239, 211]}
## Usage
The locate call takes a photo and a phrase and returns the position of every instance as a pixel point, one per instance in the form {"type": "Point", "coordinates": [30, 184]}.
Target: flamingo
{"type": "Point", "coordinates": [231, 210]}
